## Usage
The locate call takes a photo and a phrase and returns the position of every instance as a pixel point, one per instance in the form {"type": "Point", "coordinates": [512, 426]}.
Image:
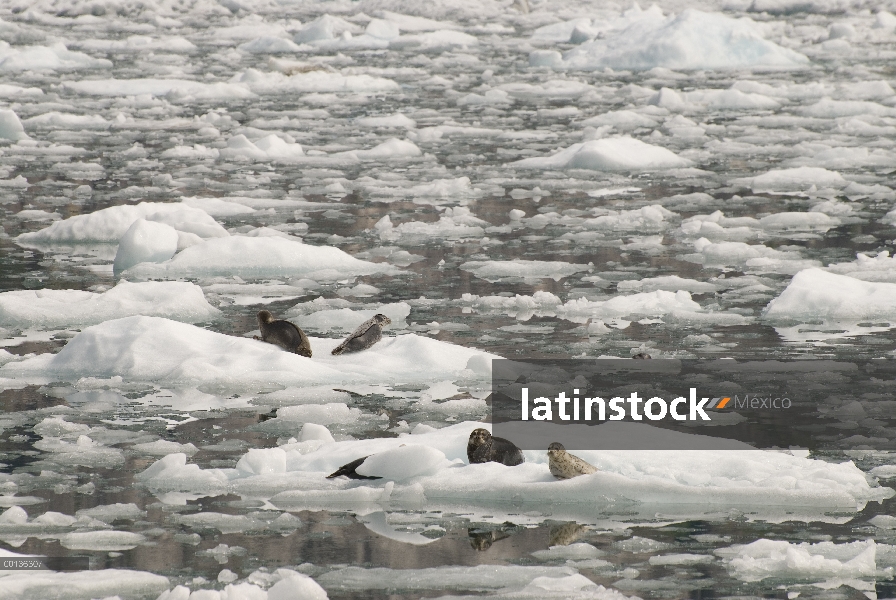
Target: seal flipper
{"type": "Point", "coordinates": [349, 470]}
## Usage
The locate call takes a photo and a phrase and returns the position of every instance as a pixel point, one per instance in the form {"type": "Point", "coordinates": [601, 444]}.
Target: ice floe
{"type": "Point", "coordinates": [110, 224]}
{"type": "Point", "coordinates": [690, 40]}
{"type": "Point", "coordinates": [155, 349]}
{"type": "Point", "coordinates": [261, 256]}
{"type": "Point", "coordinates": [611, 154]}
{"type": "Point", "coordinates": [814, 294]}
{"type": "Point", "coordinates": [48, 309]}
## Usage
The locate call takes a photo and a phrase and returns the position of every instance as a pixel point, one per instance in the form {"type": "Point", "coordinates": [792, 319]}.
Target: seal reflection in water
{"type": "Point", "coordinates": [483, 448]}
{"type": "Point", "coordinates": [365, 336]}
{"type": "Point", "coordinates": [284, 334]}
{"type": "Point", "coordinates": [564, 465]}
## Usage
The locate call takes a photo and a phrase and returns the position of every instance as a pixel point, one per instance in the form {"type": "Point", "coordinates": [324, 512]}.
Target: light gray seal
{"type": "Point", "coordinates": [284, 334]}
{"type": "Point", "coordinates": [564, 465]}
{"type": "Point", "coordinates": [365, 336]}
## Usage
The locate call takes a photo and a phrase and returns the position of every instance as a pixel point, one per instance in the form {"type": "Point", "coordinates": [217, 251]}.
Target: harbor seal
{"type": "Point", "coordinates": [284, 334]}
{"type": "Point", "coordinates": [483, 447]}
{"type": "Point", "coordinates": [564, 465]}
{"type": "Point", "coordinates": [349, 470]}
{"type": "Point", "coordinates": [365, 336]}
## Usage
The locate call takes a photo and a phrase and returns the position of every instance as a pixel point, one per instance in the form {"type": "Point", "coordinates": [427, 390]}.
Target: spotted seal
{"type": "Point", "coordinates": [284, 334]}
{"type": "Point", "coordinates": [564, 465]}
{"type": "Point", "coordinates": [483, 447]}
{"type": "Point", "coordinates": [365, 336]}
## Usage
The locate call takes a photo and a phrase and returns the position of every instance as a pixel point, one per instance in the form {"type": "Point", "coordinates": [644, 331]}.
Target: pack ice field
{"type": "Point", "coordinates": [257, 258]}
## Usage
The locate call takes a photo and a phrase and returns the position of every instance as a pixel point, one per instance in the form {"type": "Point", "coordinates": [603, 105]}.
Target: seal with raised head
{"type": "Point", "coordinates": [483, 447]}
{"type": "Point", "coordinates": [366, 335]}
{"type": "Point", "coordinates": [284, 334]}
{"type": "Point", "coordinates": [564, 465]}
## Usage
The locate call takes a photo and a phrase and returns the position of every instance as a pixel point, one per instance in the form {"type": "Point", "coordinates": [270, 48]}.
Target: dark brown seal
{"type": "Point", "coordinates": [284, 334]}
{"type": "Point", "coordinates": [483, 447]}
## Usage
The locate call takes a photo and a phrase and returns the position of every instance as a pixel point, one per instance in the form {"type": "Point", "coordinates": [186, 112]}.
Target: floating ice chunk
{"type": "Point", "coordinates": [313, 431]}
{"type": "Point", "coordinates": [176, 89]}
{"type": "Point", "coordinates": [222, 522]}
{"type": "Point", "coordinates": [113, 512]}
{"type": "Point", "coordinates": [37, 215]}
{"type": "Point", "coordinates": [348, 319]}
{"type": "Point", "coordinates": [827, 108]}
{"type": "Point", "coordinates": [868, 268]}
{"type": "Point", "coordinates": [414, 23]}
{"type": "Point", "coordinates": [396, 120]}
{"type": "Point", "coordinates": [153, 349]}
{"type": "Point", "coordinates": [110, 224]}
{"type": "Point", "coordinates": [296, 585]}
{"type": "Point", "coordinates": [194, 152]}
{"type": "Point", "coordinates": [145, 241]}
{"type": "Point", "coordinates": [757, 257]}
{"type": "Point", "coordinates": [326, 27]}
{"type": "Point", "coordinates": [270, 45]}
{"type": "Point", "coordinates": [105, 541]}
{"type": "Point", "coordinates": [790, 180]}
{"type": "Point", "coordinates": [652, 218]}
{"type": "Point", "coordinates": [781, 559]}
{"type": "Point", "coordinates": [884, 20]}
{"type": "Point", "coordinates": [842, 157]}
{"type": "Point", "coordinates": [47, 58]}
{"type": "Point", "coordinates": [58, 120]}
{"type": "Point", "coordinates": [391, 148]}
{"type": "Point", "coordinates": [814, 294]}
{"type": "Point", "coordinates": [670, 283]}
{"type": "Point", "coordinates": [545, 58]}
{"type": "Point", "coordinates": [172, 473]}
{"type": "Point", "coordinates": [798, 221]}
{"type": "Point", "coordinates": [435, 41]}
{"type": "Point", "coordinates": [83, 585]}
{"type": "Point", "coordinates": [621, 120]}
{"type": "Point", "coordinates": [555, 88]}
{"type": "Point", "coordinates": [164, 447]}
{"type": "Point", "coordinates": [10, 126]}
{"type": "Point", "coordinates": [270, 147]}
{"type": "Point", "coordinates": [218, 207]}
{"type": "Point", "coordinates": [311, 81]}
{"type": "Point", "coordinates": [322, 414]}
{"type": "Point", "coordinates": [404, 462]}
{"type": "Point", "coordinates": [490, 97]}
{"type": "Point", "coordinates": [494, 270]}
{"type": "Point", "coordinates": [691, 40]}
{"type": "Point", "coordinates": [479, 577]}
{"type": "Point", "coordinates": [259, 257]}
{"type": "Point", "coordinates": [382, 29]}
{"type": "Point", "coordinates": [609, 154]}
{"type": "Point", "coordinates": [181, 301]}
